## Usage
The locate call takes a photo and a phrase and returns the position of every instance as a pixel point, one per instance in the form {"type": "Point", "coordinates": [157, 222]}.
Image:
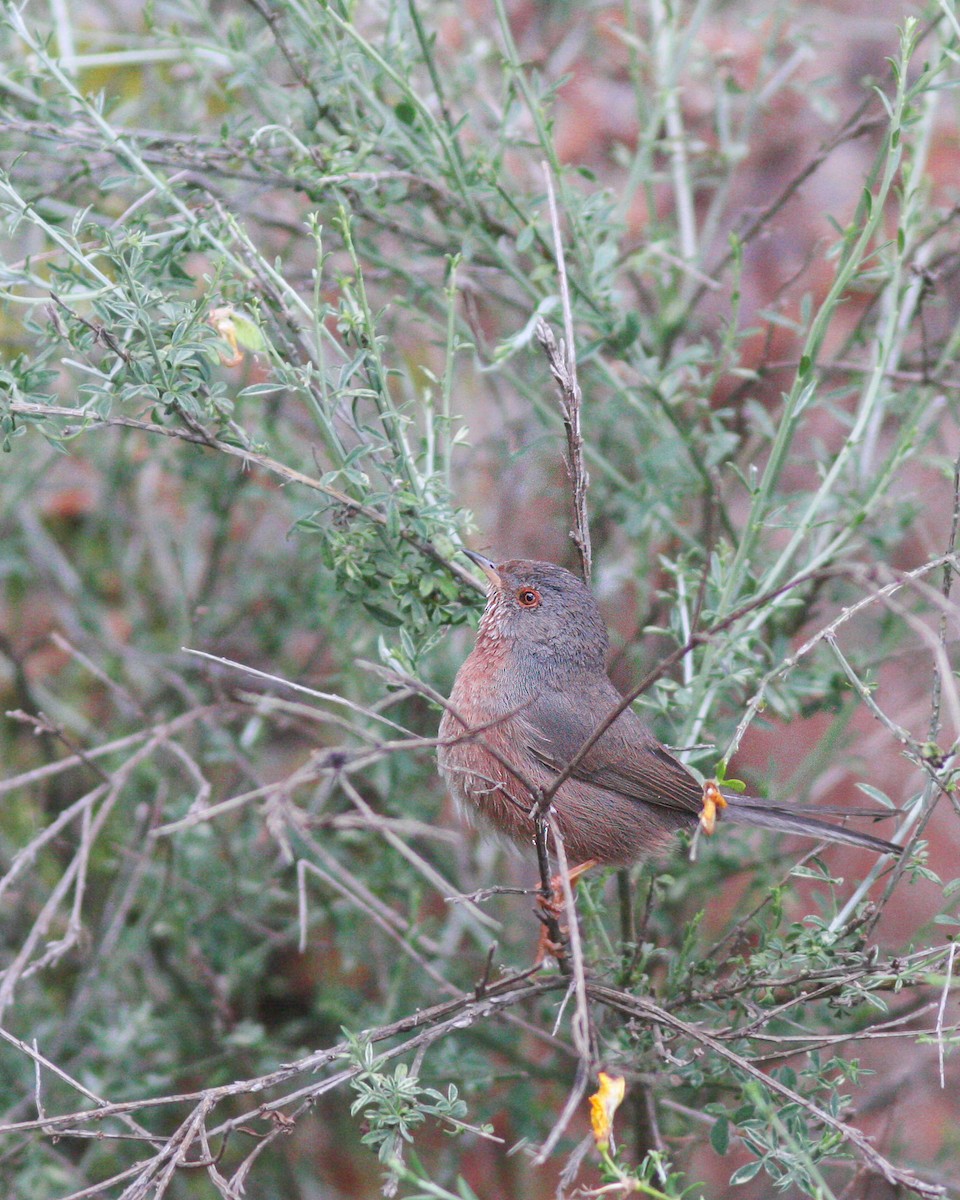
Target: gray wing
{"type": "Point", "coordinates": [626, 759]}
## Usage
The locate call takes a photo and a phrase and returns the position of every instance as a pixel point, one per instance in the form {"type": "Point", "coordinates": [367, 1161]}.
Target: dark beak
{"type": "Point", "coordinates": [486, 566]}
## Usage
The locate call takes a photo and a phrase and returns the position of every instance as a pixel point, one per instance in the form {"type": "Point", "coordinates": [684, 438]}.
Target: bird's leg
{"type": "Point", "coordinates": [552, 909]}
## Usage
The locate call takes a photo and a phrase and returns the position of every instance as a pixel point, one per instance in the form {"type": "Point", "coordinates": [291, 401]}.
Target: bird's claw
{"type": "Point", "coordinates": [548, 948]}
{"type": "Point", "coordinates": [550, 910]}
{"type": "Point", "coordinates": [552, 907]}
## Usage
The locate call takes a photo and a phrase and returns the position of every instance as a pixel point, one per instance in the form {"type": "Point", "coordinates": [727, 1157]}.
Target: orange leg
{"type": "Point", "coordinates": [552, 907]}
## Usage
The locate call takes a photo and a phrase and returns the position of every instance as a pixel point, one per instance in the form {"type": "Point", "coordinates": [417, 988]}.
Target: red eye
{"type": "Point", "coordinates": [528, 597]}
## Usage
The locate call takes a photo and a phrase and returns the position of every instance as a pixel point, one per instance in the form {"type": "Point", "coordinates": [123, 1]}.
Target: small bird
{"type": "Point", "coordinates": [533, 692]}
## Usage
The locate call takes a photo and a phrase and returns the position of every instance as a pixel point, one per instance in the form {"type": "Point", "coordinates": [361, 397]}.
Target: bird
{"type": "Point", "coordinates": [527, 701]}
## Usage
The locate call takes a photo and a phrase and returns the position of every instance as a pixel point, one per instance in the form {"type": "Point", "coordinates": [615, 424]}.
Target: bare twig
{"type": "Point", "coordinates": [563, 367]}
{"type": "Point", "coordinates": [827, 631]}
{"type": "Point", "coordinates": [947, 981]}
{"type": "Point", "coordinates": [249, 458]}
{"type": "Point", "coordinates": [584, 1034]}
{"type": "Point", "coordinates": [695, 639]}
{"type": "Point", "coordinates": [641, 1007]}
{"type": "Point", "coordinates": [946, 586]}
{"type": "Point", "coordinates": [856, 126]}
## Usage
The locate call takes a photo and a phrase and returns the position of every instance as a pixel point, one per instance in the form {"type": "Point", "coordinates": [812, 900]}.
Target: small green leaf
{"type": "Point", "coordinates": [525, 239]}
{"type": "Point", "coordinates": [733, 785]}
{"type": "Point", "coordinates": [626, 333]}
{"type": "Point", "coordinates": [382, 614]}
{"type": "Point", "coordinates": [720, 1136]}
{"type": "Point", "coordinates": [875, 794]}
{"type": "Point", "coordinates": [745, 1173]}
{"type": "Point", "coordinates": [248, 333]}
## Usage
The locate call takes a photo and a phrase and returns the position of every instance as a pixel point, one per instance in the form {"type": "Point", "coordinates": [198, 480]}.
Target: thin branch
{"type": "Point", "coordinates": [640, 1007]}
{"type": "Point", "coordinates": [827, 631]}
{"type": "Point", "coordinates": [563, 367]}
{"type": "Point", "coordinates": [949, 573]}
{"type": "Point", "coordinates": [947, 981]}
{"type": "Point", "coordinates": [249, 458]}
{"type": "Point", "coordinates": [695, 639]}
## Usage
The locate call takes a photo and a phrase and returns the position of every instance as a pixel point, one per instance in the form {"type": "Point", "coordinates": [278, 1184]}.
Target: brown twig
{"type": "Point", "coordinates": [249, 458]}
{"type": "Point", "coordinates": [540, 805]}
{"type": "Point", "coordinates": [562, 359]}
{"type": "Point", "coordinates": [946, 587]}
{"type": "Point", "coordinates": [644, 1009]}
{"type": "Point", "coordinates": [563, 367]}
{"type": "Point", "coordinates": [856, 126]}
{"type": "Point", "coordinates": [695, 639]}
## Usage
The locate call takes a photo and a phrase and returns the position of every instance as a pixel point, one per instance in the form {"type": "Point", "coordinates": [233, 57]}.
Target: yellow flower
{"type": "Point", "coordinates": [603, 1104]}
{"type": "Point", "coordinates": [239, 331]}
{"type": "Point", "coordinates": [222, 321]}
{"type": "Point", "coordinates": [713, 801]}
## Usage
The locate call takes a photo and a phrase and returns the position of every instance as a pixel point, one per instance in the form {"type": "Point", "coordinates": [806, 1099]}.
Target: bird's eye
{"type": "Point", "coordinates": [528, 598]}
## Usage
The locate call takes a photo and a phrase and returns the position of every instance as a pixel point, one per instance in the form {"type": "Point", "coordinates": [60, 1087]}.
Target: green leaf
{"type": "Point", "coordinates": [382, 614]}
{"type": "Point", "coordinates": [733, 785]}
{"type": "Point", "coordinates": [525, 239]}
{"type": "Point", "coordinates": [626, 334]}
{"type": "Point", "coordinates": [745, 1173]}
{"type": "Point", "coordinates": [720, 1136]}
{"type": "Point", "coordinates": [875, 794]}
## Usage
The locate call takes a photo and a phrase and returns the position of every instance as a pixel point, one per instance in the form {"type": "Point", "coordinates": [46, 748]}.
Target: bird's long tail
{"type": "Point", "coordinates": [750, 810]}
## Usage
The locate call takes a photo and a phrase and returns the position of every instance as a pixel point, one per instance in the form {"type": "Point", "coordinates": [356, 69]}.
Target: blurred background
{"type": "Point", "coordinates": [270, 277]}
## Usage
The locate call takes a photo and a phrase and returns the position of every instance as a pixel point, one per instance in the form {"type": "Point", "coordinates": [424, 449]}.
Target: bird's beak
{"type": "Point", "coordinates": [486, 566]}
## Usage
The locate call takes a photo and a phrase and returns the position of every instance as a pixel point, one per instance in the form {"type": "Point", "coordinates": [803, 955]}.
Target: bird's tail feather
{"type": "Point", "coordinates": [750, 810]}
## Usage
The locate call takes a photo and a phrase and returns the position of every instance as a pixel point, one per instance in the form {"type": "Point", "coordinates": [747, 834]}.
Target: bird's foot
{"type": "Point", "coordinates": [552, 909]}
